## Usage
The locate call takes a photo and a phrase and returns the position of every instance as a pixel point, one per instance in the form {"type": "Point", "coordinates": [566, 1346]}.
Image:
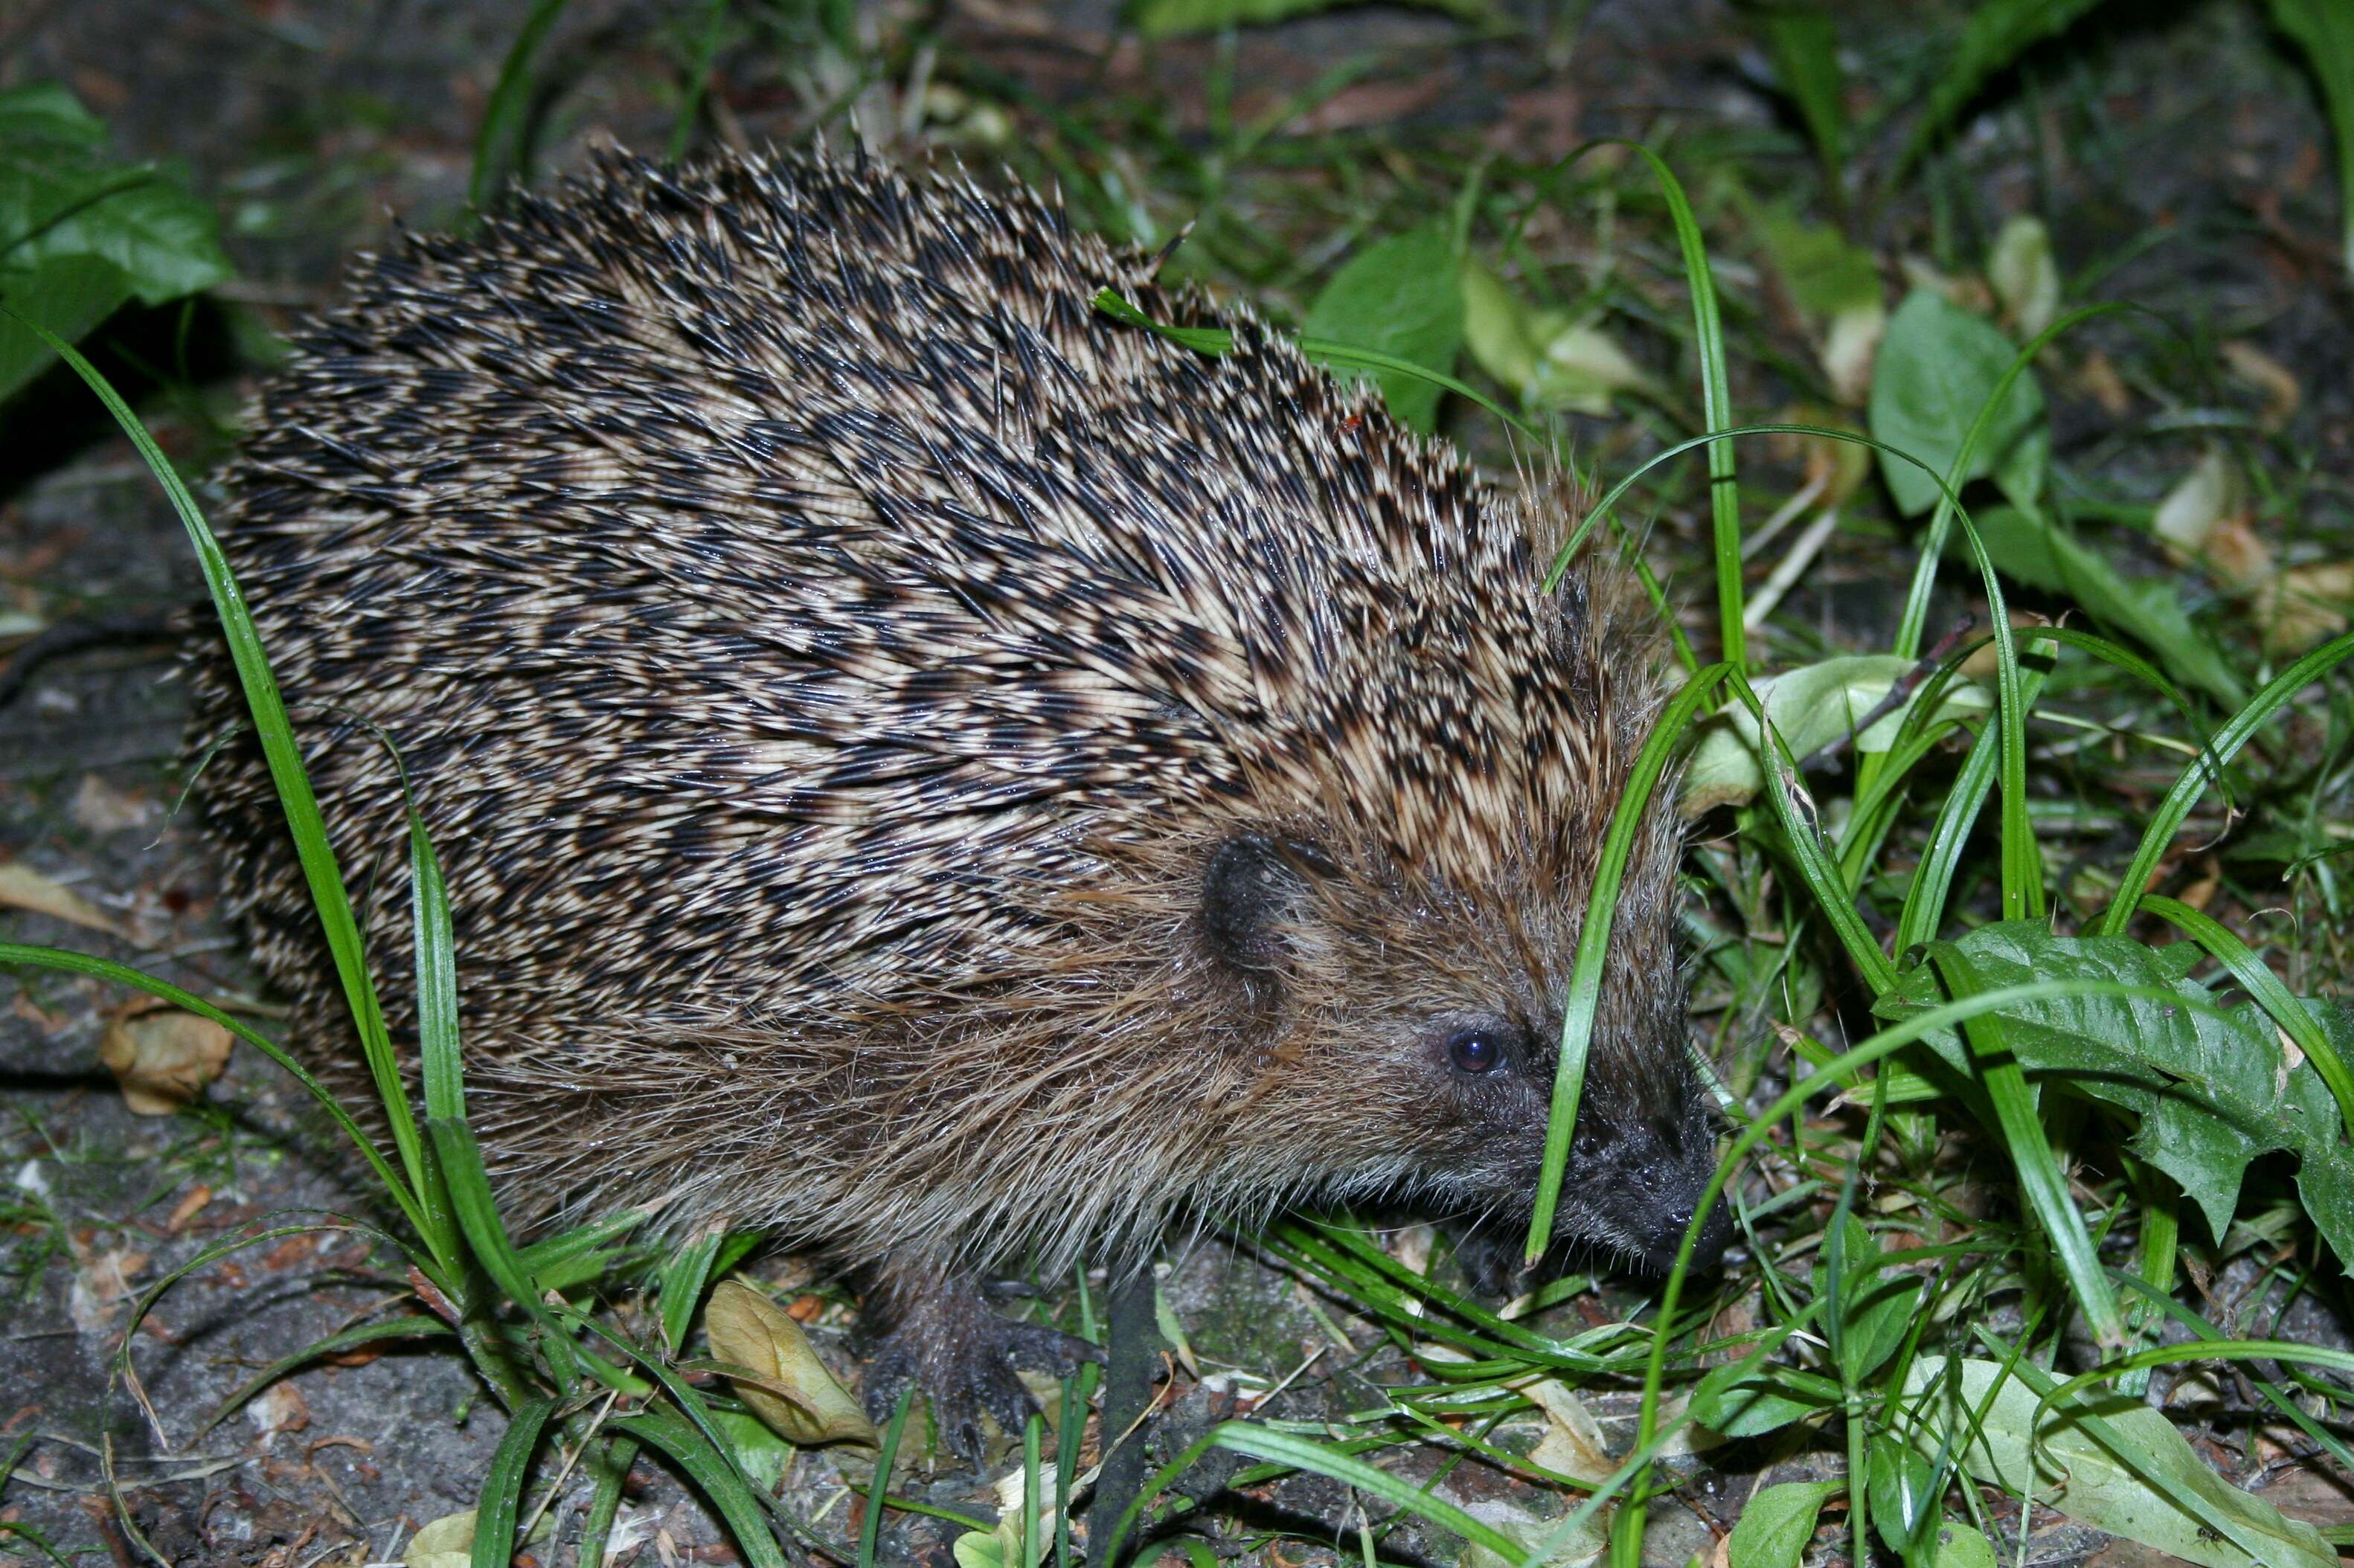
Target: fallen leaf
{"type": "Point", "coordinates": [2096, 377]}
{"type": "Point", "coordinates": [2276, 382]}
{"type": "Point", "coordinates": [22, 887]}
{"type": "Point", "coordinates": [447, 1542]}
{"type": "Point", "coordinates": [2197, 506]}
{"type": "Point", "coordinates": [2304, 605]}
{"type": "Point", "coordinates": [1573, 1444]}
{"type": "Point", "coordinates": [188, 1207]}
{"type": "Point", "coordinates": [2026, 277]}
{"type": "Point", "coordinates": [102, 1283]}
{"type": "Point", "coordinates": [282, 1408]}
{"type": "Point", "coordinates": [161, 1058]}
{"type": "Point", "coordinates": [103, 808]}
{"type": "Point", "coordinates": [790, 1388]}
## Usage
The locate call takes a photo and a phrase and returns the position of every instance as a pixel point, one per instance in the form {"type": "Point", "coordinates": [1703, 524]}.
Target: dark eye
{"type": "Point", "coordinates": [1475, 1051]}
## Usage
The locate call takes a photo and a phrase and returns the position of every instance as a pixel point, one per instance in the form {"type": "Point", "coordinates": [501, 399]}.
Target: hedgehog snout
{"type": "Point", "coordinates": [1652, 1181]}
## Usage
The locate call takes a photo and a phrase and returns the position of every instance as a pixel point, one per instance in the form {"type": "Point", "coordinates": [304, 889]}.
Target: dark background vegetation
{"type": "Point", "coordinates": [2179, 156]}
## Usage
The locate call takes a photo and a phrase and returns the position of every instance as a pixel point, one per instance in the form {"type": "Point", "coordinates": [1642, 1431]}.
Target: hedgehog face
{"type": "Point", "coordinates": [1437, 1020]}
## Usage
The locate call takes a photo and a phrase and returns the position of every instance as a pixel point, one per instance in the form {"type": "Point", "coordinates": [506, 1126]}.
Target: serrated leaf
{"type": "Point", "coordinates": [2213, 1091]}
{"type": "Point", "coordinates": [2156, 1492]}
{"type": "Point", "coordinates": [1937, 366]}
{"type": "Point", "coordinates": [81, 233]}
{"type": "Point", "coordinates": [68, 295]}
{"type": "Point", "coordinates": [1400, 296]}
{"type": "Point", "coordinates": [2033, 551]}
{"type": "Point", "coordinates": [1775, 1526]}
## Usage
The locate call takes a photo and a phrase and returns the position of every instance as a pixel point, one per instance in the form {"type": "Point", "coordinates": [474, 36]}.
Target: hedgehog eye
{"type": "Point", "coordinates": [1475, 1051]}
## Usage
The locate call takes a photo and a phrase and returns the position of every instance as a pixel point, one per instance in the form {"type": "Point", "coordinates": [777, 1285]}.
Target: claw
{"type": "Point", "coordinates": [943, 1338]}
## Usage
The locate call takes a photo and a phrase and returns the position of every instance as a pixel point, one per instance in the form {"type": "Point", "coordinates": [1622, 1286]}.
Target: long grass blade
{"type": "Point", "coordinates": [2256, 977]}
{"type": "Point", "coordinates": [312, 847]}
{"type": "Point", "coordinates": [2039, 1177]}
{"type": "Point", "coordinates": [494, 1512]}
{"type": "Point", "coordinates": [1585, 992]}
{"type": "Point", "coordinates": [2166, 821]}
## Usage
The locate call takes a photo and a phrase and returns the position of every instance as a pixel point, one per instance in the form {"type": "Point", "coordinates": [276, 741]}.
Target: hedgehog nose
{"type": "Point", "coordinates": [1708, 1251]}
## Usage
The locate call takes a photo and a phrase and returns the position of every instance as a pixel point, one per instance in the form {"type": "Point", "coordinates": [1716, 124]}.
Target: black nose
{"type": "Point", "coordinates": [1708, 1251]}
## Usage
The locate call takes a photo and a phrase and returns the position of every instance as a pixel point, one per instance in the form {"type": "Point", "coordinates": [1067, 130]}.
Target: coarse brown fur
{"type": "Point", "coordinates": [926, 768]}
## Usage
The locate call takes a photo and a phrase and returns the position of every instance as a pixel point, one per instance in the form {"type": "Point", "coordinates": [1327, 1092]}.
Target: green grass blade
{"type": "Point", "coordinates": [302, 818]}
{"type": "Point", "coordinates": [415, 1327]}
{"type": "Point", "coordinates": [494, 1513]}
{"type": "Point", "coordinates": [2039, 1177]}
{"type": "Point", "coordinates": [2256, 977]}
{"type": "Point", "coordinates": [542, 1256]}
{"type": "Point", "coordinates": [1070, 1426]}
{"type": "Point", "coordinates": [1033, 1542]}
{"type": "Point", "coordinates": [708, 1468]}
{"type": "Point", "coordinates": [2166, 821]}
{"type": "Point", "coordinates": [188, 1001]}
{"type": "Point", "coordinates": [1300, 1453]}
{"type": "Point", "coordinates": [1787, 793]}
{"type": "Point", "coordinates": [1716, 409]}
{"type": "Point", "coordinates": [698, 80]}
{"type": "Point", "coordinates": [610, 1466]}
{"type": "Point", "coordinates": [870, 1532]}
{"type": "Point", "coordinates": [2161, 1297]}
{"type": "Point", "coordinates": [510, 101]}
{"type": "Point", "coordinates": [1585, 992]}
{"type": "Point", "coordinates": [679, 1284]}
{"type": "Point", "coordinates": [1837, 1073]}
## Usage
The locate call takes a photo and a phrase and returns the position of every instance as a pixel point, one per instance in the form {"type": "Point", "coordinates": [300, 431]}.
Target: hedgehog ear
{"type": "Point", "coordinates": [1253, 892]}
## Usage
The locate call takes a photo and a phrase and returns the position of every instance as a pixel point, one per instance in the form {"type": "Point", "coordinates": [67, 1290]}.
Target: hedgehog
{"type": "Point", "coordinates": [934, 773]}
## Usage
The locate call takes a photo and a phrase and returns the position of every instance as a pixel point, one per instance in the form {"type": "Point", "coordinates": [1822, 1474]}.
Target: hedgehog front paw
{"type": "Point", "coordinates": [942, 1338]}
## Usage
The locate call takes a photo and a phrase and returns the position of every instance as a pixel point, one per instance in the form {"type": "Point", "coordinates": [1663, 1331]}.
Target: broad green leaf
{"type": "Point", "coordinates": [1400, 296]}
{"type": "Point", "coordinates": [2212, 1091]}
{"type": "Point", "coordinates": [1823, 272]}
{"type": "Point", "coordinates": [1875, 1306]}
{"type": "Point", "coordinates": [1169, 18]}
{"type": "Point", "coordinates": [61, 195]}
{"type": "Point", "coordinates": [81, 234]}
{"type": "Point", "coordinates": [2041, 556]}
{"type": "Point", "coordinates": [2156, 1490]}
{"type": "Point", "coordinates": [1997, 32]}
{"type": "Point", "coordinates": [760, 1453]}
{"type": "Point", "coordinates": [68, 295]}
{"type": "Point", "coordinates": [1775, 1528]}
{"type": "Point", "coordinates": [1938, 365]}
{"type": "Point", "coordinates": [1732, 1403]}
{"type": "Point", "coordinates": [1812, 707]}
{"type": "Point", "coordinates": [1902, 1485]}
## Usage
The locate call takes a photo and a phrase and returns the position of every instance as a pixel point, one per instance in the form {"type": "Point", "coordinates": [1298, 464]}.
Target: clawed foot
{"type": "Point", "coordinates": [944, 1338]}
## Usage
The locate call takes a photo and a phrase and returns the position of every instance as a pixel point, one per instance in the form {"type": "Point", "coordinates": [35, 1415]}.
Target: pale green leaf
{"type": "Point", "coordinates": [1812, 707]}
{"type": "Point", "coordinates": [2133, 1475]}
